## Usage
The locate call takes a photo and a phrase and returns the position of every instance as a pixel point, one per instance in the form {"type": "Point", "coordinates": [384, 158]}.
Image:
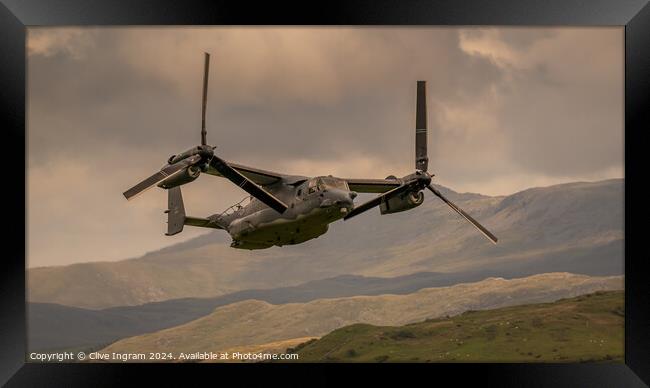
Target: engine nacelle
{"type": "Point", "coordinates": [402, 202]}
{"type": "Point", "coordinates": [186, 176]}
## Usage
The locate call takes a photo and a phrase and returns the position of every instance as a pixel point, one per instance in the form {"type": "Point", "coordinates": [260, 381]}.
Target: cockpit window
{"type": "Point", "coordinates": [322, 183]}
{"type": "Point", "coordinates": [312, 186]}
{"type": "Point", "coordinates": [331, 182]}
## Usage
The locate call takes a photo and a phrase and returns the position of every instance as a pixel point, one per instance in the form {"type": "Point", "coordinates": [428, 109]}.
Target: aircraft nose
{"type": "Point", "coordinates": [346, 199]}
{"type": "Point", "coordinates": [342, 200]}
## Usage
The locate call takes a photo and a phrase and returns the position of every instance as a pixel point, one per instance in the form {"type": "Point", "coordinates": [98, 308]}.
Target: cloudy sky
{"type": "Point", "coordinates": [509, 109]}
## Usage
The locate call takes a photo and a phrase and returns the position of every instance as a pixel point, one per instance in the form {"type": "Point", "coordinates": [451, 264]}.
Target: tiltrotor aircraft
{"type": "Point", "coordinates": [288, 209]}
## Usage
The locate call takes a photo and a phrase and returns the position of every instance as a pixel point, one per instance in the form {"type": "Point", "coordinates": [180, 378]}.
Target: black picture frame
{"type": "Point", "coordinates": [16, 15]}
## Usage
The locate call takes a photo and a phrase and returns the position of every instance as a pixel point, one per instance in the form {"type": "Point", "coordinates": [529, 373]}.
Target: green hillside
{"type": "Point", "coordinates": [585, 328]}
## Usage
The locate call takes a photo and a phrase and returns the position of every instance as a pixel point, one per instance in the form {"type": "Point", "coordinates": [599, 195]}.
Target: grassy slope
{"type": "Point", "coordinates": [584, 328]}
{"type": "Point", "coordinates": [271, 347]}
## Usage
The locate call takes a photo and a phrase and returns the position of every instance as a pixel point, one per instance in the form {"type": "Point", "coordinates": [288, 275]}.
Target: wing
{"type": "Point", "coordinates": [264, 178]}
{"type": "Point", "coordinates": [372, 185]}
{"type": "Point", "coordinates": [261, 177]}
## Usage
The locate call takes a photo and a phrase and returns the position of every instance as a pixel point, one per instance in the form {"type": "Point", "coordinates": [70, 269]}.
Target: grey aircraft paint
{"type": "Point", "coordinates": [285, 209]}
{"type": "Point", "coordinates": [312, 205]}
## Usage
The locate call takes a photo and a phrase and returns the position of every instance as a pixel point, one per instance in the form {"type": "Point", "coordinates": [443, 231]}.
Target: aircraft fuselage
{"type": "Point", "coordinates": [313, 204]}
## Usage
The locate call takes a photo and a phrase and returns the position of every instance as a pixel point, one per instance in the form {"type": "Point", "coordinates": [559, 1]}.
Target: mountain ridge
{"type": "Point", "coordinates": [573, 227]}
{"type": "Point", "coordinates": [252, 322]}
{"type": "Point", "coordinates": [58, 327]}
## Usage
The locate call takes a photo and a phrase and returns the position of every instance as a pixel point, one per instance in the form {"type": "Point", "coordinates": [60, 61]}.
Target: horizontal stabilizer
{"type": "Point", "coordinates": [202, 222]}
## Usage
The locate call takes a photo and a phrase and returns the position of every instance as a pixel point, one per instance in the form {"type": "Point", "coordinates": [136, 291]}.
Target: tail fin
{"type": "Point", "coordinates": [176, 217]}
{"type": "Point", "coordinates": [175, 211]}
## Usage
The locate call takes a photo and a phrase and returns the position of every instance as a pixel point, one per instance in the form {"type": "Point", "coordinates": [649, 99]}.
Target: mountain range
{"type": "Point", "coordinates": [574, 227]}
{"type": "Point", "coordinates": [59, 327]}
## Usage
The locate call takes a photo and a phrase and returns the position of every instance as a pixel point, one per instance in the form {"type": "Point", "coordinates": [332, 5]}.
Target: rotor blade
{"type": "Point", "coordinates": [374, 202]}
{"type": "Point", "coordinates": [206, 70]}
{"type": "Point", "coordinates": [465, 215]}
{"type": "Point", "coordinates": [160, 176]}
{"type": "Point", "coordinates": [247, 185]}
{"type": "Point", "coordinates": [421, 159]}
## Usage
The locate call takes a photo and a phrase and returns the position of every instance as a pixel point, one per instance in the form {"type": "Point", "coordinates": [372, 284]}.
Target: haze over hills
{"type": "Point", "coordinates": [58, 327]}
{"type": "Point", "coordinates": [575, 227]}
{"type": "Point", "coordinates": [254, 322]}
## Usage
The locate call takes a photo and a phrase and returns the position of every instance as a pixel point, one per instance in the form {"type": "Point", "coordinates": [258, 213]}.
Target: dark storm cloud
{"type": "Point", "coordinates": [508, 109]}
{"type": "Point", "coordinates": [358, 98]}
{"type": "Point", "coordinates": [80, 104]}
{"type": "Point", "coordinates": [557, 113]}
